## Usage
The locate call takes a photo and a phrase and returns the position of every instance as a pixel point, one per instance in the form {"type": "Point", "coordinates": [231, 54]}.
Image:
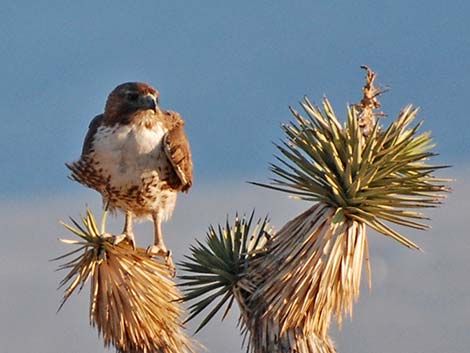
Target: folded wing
{"type": "Point", "coordinates": [178, 151]}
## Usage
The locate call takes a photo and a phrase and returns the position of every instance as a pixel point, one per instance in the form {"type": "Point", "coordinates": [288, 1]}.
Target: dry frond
{"type": "Point", "coordinates": [133, 302]}
{"type": "Point", "coordinates": [366, 108]}
{"type": "Point", "coordinates": [265, 337]}
{"type": "Point", "coordinates": [314, 269]}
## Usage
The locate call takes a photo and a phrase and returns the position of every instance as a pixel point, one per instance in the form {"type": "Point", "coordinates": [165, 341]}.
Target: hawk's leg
{"type": "Point", "coordinates": [127, 232]}
{"type": "Point", "coordinates": [159, 248]}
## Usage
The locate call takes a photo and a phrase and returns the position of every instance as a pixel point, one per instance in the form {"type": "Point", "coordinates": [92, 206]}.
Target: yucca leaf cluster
{"type": "Point", "coordinates": [378, 179]}
{"type": "Point", "coordinates": [134, 304]}
{"type": "Point", "coordinates": [214, 268]}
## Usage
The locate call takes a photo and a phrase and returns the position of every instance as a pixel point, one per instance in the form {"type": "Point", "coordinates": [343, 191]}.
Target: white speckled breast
{"type": "Point", "coordinates": [131, 158]}
{"type": "Point", "coordinates": [127, 151]}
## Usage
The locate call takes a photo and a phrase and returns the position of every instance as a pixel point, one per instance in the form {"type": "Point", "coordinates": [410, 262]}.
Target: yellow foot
{"type": "Point", "coordinates": [155, 250]}
{"type": "Point", "coordinates": [116, 239]}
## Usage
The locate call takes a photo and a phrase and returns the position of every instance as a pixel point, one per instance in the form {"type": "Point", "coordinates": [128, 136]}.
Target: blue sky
{"type": "Point", "coordinates": [231, 69]}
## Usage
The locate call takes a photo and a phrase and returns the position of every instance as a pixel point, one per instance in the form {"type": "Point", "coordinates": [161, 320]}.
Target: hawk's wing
{"type": "Point", "coordinates": [92, 128]}
{"type": "Point", "coordinates": [81, 170]}
{"type": "Point", "coordinates": [176, 147]}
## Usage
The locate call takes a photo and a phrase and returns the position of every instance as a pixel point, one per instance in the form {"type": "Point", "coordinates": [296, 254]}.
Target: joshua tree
{"type": "Point", "coordinates": [288, 283]}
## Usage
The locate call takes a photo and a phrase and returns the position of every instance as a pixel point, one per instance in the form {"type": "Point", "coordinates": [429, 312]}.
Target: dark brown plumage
{"type": "Point", "coordinates": [138, 157]}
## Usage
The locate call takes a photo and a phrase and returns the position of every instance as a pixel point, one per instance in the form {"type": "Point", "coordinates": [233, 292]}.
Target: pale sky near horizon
{"type": "Point", "coordinates": [419, 302]}
{"type": "Point", "coordinates": [231, 69]}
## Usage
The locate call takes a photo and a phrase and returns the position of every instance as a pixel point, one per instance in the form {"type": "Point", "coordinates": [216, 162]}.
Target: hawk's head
{"type": "Point", "coordinates": [129, 98]}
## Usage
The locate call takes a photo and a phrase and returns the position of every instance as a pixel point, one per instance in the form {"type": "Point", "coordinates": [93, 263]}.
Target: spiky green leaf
{"type": "Point", "coordinates": [214, 268]}
{"type": "Point", "coordinates": [371, 179]}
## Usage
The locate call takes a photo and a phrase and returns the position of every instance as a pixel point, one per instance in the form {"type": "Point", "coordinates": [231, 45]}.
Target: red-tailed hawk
{"type": "Point", "coordinates": [138, 157]}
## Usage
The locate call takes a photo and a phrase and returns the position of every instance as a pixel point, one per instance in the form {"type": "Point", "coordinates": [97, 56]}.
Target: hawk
{"type": "Point", "coordinates": [137, 156]}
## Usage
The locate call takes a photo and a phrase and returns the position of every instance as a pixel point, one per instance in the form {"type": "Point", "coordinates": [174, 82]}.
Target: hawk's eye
{"type": "Point", "coordinates": [132, 96]}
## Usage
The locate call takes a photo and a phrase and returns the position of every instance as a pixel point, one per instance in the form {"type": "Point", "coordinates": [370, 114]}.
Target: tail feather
{"type": "Point", "coordinates": [84, 173]}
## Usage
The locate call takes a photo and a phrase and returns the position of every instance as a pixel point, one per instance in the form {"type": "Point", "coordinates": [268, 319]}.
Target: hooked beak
{"type": "Point", "coordinates": [150, 102]}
